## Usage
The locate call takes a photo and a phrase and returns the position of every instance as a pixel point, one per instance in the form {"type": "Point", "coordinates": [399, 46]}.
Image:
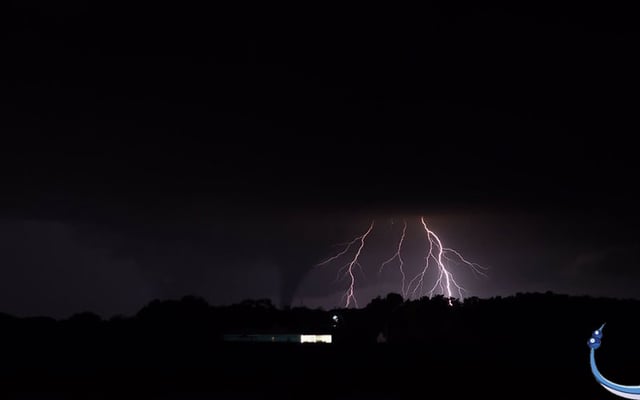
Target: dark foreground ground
{"type": "Point", "coordinates": [526, 354]}
{"type": "Point", "coordinates": [256, 371]}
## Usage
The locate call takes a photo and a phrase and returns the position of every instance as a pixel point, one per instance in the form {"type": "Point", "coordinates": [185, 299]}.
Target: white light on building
{"type": "Point", "coordinates": [315, 338]}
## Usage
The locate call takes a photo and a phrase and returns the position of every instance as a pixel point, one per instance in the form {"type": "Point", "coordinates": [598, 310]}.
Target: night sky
{"type": "Point", "coordinates": [158, 151]}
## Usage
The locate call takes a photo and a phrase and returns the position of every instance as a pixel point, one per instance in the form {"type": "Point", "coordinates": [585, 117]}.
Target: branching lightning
{"type": "Point", "coordinates": [398, 256]}
{"type": "Point", "coordinates": [437, 256]}
{"type": "Point", "coordinates": [348, 267]}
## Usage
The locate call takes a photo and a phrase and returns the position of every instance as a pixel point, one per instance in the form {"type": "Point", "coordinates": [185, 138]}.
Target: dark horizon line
{"type": "Point", "coordinates": [273, 306]}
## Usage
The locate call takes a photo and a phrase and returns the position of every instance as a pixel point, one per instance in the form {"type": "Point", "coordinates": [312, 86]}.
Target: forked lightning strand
{"type": "Point", "coordinates": [437, 255]}
{"type": "Point", "coordinates": [398, 256]}
{"type": "Point", "coordinates": [350, 293]}
{"type": "Point", "coordinates": [445, 278]}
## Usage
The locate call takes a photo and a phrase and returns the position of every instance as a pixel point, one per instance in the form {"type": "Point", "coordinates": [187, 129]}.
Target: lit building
{"type": "Point", "coordinates": [277, 338]}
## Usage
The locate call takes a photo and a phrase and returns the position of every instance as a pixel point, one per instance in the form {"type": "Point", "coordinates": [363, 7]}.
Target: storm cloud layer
{"type": "Point", "coordinates": [153, 152]}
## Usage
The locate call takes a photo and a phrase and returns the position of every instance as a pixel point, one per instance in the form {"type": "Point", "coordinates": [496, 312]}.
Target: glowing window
{"type": "Point", "coordinates": [315, 338]}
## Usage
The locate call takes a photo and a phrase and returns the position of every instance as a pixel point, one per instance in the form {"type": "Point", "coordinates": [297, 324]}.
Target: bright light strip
{"type": "Point", "coordinates": [315, 338]}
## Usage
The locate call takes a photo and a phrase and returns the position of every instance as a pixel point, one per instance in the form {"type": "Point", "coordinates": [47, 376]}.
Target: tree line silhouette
{"type": "Point", "coordinates": [178, 344]}
{"type": "Point", "coordinates": [396, 319]}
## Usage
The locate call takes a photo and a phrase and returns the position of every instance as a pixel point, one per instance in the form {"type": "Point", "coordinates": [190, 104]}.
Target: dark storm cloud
{"type": "Point", "coordinates": [224, 256]}
{"type": "Point", "coordinates": [47, 271]}
{"type": "Point", "coordinates": [222, 151]}
{"type": "Point", "coordinates": [244, 110]}
{"type": "Point", "coordinates": [57, 268]}
{"type": "Point", "coordinates": [616, 259]}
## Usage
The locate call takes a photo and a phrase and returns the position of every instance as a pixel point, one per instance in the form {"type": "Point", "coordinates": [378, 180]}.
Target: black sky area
{"type": "Point", "coordinates": [152, 151]}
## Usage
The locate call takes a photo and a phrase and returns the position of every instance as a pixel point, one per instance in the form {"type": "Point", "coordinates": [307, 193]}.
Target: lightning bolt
{"type": "Point", "coordinates": [440, 255]}
{"type": "Point", "coordinates": [437, 256]}
{"type": "Point", "coordinates": [443, 271]}
{"type": "Point", "coordinates": [397, 255]}
{"type": "Point", "coordinates": [350, 292]}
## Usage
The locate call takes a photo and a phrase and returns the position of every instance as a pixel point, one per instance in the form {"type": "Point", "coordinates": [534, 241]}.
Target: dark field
{"type": "Point", "coordinates": [490, 349]}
